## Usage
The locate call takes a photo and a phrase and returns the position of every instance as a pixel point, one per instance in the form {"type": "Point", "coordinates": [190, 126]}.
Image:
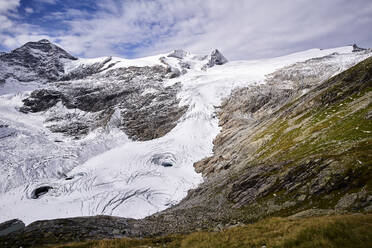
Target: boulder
{"type": "Point", "coordinates": [11, 226]}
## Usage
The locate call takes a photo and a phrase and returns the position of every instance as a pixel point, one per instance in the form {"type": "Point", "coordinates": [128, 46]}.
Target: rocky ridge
{"type": "Point", "coordinates": [146, 108]}
{"type": "Point", "coordinates": [304, 151]}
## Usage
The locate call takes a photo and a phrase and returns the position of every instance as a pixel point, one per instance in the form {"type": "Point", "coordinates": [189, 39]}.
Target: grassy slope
{"type": "Point", "coordinates": [328, 125]}
{"type": "Point", "coordinates": [334, 231]}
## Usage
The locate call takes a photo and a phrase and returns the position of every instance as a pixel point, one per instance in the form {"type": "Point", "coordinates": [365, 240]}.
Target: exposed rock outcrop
{"type": "Point", "coordinates": [41, 100]}
{"type": "Point", "coordinates": [11, 226]}
{"type": "Point", "coordinates": [216, 58]}
{"type": "Point", "coordinates": [358, 49]}
{"type": "Point", "coordinates": [146, 107]}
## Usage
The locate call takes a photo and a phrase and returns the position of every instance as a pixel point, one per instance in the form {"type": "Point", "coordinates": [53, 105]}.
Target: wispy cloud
{"type": "Point", "coordinates": [49, 1]}
{"type": "Point", "coordinates": [29, 10]}
{"type": "Point", "coordinates": [7, 6]}
{"type": "Point", "coordinates": [240, 28]}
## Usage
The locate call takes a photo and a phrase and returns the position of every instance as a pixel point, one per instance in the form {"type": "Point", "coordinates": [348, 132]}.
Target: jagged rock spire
{"type": "Point", "coordinates": [216, 58]}
{"type": "Point", "coordinates": [358, 49]}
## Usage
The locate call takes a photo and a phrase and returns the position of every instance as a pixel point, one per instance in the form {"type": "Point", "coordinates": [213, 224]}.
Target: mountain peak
{"type": "Point", "coordinates": [44, 48]}
{"type": "Point", "coordinates": [37, 60]}
{"type": "Point", "coordinates": [357, 49]}
{"type": "Point", "coordinates": [215, 58]}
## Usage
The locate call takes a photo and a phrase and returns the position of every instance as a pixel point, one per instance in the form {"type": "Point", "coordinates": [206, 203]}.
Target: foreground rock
{"type": "Point", "coordinates": [11, 226]}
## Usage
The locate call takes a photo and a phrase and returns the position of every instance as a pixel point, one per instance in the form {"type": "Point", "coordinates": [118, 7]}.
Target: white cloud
{"type": "Point", "coordinates": [14, 32]}
{"type": "Point", "coordinates": [8, 5]}
{"type": "Point", "coordinates": [7, 8]}
{"type": "Point", "coordinates": [29, 10]}
{"type": "Point", "coordinates": [48, 1]}
{"type": "Point", "coordinates": [240, 28]}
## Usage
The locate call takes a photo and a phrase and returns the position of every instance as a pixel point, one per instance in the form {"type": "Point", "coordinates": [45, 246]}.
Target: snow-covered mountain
{"type": "Point", "coordinates": [117, 136]}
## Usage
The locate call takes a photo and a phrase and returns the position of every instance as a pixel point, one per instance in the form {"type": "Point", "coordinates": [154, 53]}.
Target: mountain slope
{"type": "Point", "coordinates": [326, 231]}
{"type": "Point", "coordinates": [302, 147]}
{"type": "Point", "coordinates": [119, 137]}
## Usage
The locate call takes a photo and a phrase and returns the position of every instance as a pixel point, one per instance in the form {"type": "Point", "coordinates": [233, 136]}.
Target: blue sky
{"type": "Point", "coordinates": [241, 29]}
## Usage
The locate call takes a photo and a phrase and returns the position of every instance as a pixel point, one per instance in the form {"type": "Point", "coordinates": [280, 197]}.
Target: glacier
{"type": "Point", "coordinates": [48, 175]}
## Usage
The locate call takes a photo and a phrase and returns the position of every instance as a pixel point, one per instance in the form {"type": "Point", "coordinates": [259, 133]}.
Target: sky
{"type": "Point", "coordinates": [240, 29]}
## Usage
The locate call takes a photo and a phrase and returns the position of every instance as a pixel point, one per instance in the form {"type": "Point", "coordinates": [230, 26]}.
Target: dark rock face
{"type": "Point", "coordinates": [40, 100]}
{"type": "Point", "coordinates": [102, 227]}
{"type": "Point", "coordinates": [64, 230]}
{"type": "Point", "coordinates": [260, 181]}
{"type": "Point", "coordinates": [40, 60]}
{"type": "Point", "coordinates": [156, 116]}
{"type": "Point", "coordinates": [75, 128]}
{"type": "Point", "coordinates": [11, 226]}
{"type": "Point", "coordinates": [147, 109]}
{"type": "Point", "coordinates": [216, 58]}
{"type": "Point", "coordinates": [358, 49]}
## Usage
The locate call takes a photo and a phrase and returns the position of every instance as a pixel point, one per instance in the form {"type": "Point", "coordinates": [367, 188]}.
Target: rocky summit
{"type": "Point", "coordinates": [34, 61]}
{"type": "Point", "coordinates": [180, 144]}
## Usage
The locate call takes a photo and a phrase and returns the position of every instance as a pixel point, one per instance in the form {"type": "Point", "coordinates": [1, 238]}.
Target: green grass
{"type": "Point", "coordinates": [330, 126]}
{"type": "Point", "coordinates": [326, 232]}
{"type": "Point", "coordinates": [318, 134]}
